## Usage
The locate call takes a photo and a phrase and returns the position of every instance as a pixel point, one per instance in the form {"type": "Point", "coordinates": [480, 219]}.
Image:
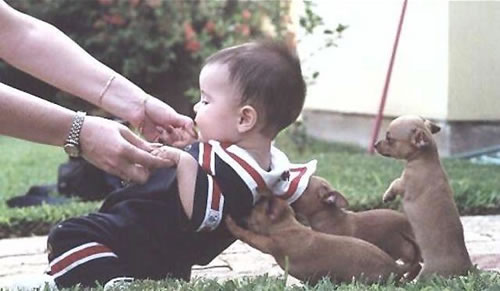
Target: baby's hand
{"type": "Point", "coordinates": [168, 153]}
{"type": "Point", "coordinates": [178, 137]}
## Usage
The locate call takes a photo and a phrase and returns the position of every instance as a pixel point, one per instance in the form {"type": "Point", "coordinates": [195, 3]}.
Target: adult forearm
{"type": "Point", "coordinates": [43, 51]}
{"type": "Point", "coordinates": [28, 117]}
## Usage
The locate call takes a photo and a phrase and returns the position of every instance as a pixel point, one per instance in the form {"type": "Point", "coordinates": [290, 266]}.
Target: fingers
{"type": "Point", "coordinates": [158, 113]}
{"type": "Point", "coordinates": [115, 149]}
{"type": "Point", "coordinates": [150, 133]}
{"type": "Point", "coordinates": [177, 137]}
{"type": "Point", "coordinates": [138, 152]}
{"type": "Point", "coordinates": [139, 142]}
{"type": "Point", "coordinates": [134, 173]}
{"type": "Point", "coordinates": [180, 121]}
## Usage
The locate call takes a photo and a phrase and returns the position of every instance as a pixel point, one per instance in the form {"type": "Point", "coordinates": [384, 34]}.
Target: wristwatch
{"type": "Point", "coordinates": [72, 143]}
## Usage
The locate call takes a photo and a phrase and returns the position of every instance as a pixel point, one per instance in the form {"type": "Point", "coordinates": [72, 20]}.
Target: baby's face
{"type": "Point", "coordinates": [217, 112]}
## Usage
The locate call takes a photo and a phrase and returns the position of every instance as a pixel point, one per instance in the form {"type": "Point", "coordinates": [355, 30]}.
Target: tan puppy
{"type": "Point", "coordinates": [310, 255]}
{"type": "Point", "coordinates": [427, 196]}
{"type": "Point", "coordinates": [323, 208]}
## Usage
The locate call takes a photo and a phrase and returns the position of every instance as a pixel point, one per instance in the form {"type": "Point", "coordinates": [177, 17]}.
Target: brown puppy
{"type": "Point", "coordinates": [310, 255]}
{"type": "Point", "coordinates": [323, 208]}
{"type": "Point", "coordinates": [427, 196]}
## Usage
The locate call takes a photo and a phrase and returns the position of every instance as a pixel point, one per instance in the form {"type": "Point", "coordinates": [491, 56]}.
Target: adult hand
{"type": "Point", "coordinates": [159, 117]}
{"type": "Point", "coordinates": [113, 148]}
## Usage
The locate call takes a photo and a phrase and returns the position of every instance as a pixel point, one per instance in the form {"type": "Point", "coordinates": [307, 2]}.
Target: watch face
{"type": "Point", "coordinates": [72, 150]}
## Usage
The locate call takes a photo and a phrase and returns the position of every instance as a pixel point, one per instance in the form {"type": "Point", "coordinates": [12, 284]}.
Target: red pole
{"type": "Point", "coordinates": [378, 120]}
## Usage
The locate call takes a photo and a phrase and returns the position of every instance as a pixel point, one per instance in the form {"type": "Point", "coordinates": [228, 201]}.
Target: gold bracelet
{"type": "Point", "coordinates": [105, 89]}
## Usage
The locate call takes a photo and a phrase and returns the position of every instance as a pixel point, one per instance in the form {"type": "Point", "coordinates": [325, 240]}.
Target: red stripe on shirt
{"type": "Point", "coordinates": [215, 196]}
{"type": "Point", "coordinates": [207, 158]}
{"type": "Point", "coordinates": [261, 184]}
{"type": "Point", "coordinates": [295, 182]}
{"type": "Point", "coordinates": [78, 255]}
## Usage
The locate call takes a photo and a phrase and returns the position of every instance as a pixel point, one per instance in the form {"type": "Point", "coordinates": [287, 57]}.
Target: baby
{"type": "Point", "coordinates": [249, 93]}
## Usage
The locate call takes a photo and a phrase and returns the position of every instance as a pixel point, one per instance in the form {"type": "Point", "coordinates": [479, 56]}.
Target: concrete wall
{"type": "Point", "coordinates": [474, 69]}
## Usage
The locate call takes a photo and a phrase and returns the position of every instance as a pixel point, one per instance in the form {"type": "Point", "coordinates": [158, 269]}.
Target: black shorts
{"type": "Point", "coordinates": [83, 251]}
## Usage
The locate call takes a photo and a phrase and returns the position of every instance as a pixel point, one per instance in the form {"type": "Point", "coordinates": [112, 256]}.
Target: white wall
{"type": "Point", "coordinates": [352, 75]}
{"type": "Point", "coordinates": [474, 60]}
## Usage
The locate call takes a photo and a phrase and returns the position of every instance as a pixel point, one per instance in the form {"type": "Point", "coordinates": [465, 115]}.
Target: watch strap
{"type": "Point", "coordinates": [76, 127]}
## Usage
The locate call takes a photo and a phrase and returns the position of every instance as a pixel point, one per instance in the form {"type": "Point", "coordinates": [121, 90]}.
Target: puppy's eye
{"type": "Point", "coordinates": [389, 140]}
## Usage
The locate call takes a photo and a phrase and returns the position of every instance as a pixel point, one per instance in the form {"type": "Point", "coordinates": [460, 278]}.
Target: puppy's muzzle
{"type": "Point", "coordinates": [378, 148]}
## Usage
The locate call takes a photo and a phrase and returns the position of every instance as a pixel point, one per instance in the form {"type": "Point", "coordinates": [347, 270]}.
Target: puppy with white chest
{"type": "Point", "coordinates": [309, 255]}
{"type": "Point", "coordinates": [324, 210]}
{"type": "Point", "coordinates": [427, 196]}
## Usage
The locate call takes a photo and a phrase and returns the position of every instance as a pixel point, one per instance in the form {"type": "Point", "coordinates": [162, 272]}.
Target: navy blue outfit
{"type": "Point", "coordinates": [141, 231]}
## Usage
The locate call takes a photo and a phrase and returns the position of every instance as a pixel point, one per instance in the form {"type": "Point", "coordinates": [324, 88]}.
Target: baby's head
{"type": "Point", "coordinates": [254, 88]}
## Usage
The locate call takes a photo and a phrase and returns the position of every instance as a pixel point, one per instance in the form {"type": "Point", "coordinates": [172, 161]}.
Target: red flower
{"type": "Point", "coordinates": [189, 32]}
{"type": "Point", "coordinates": [243, 29]}
{"type": "Point", "coordinates": [115, 19]}
{"type": "Point", "coordinates": [246, 14]}
{"type": "Point", "coordinates": [192, 46]}
{"type": "Point", "coordinates": [210, 26]}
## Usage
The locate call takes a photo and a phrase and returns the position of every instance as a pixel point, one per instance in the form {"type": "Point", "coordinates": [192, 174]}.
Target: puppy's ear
{"type": "Point", "coordinates": [335, 198]}
{"type": "Point", "coordinates": [432, 127]}
{"type": "Point", "coordinates": [419, 139]}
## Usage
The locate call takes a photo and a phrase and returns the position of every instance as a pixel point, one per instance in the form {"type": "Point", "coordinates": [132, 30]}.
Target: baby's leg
{"type": "Point", "coordinates": [75, 257]}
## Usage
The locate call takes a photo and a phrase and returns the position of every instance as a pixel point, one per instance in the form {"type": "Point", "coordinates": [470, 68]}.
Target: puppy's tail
{"type": "Point", "coordinates": [413, 267]}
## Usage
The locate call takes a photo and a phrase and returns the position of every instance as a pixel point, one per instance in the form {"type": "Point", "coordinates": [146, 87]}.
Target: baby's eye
{"type": "Point", "coordinates": [204, 102]}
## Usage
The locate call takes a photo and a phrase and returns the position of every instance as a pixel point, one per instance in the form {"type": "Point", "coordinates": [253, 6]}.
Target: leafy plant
{"type": "Point", "coordinates": [158, 44]}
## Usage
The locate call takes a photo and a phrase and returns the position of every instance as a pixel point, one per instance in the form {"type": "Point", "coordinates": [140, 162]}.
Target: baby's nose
{"type": "Point", "coordinates": [195, 107]}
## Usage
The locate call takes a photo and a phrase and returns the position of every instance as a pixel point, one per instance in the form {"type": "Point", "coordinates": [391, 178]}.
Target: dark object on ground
{"type": "Point", "coordinates": [36, 195]}
{"type": "Point", "coordinates": [79, 178]}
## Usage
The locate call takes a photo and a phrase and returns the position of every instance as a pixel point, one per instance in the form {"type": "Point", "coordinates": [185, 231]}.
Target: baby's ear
{"type": "Point", "coordinates": [247, 119]}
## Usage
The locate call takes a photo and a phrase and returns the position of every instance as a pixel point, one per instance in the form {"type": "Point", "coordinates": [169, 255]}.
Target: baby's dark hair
{"type": "Point", "coordinates": [269, 78]}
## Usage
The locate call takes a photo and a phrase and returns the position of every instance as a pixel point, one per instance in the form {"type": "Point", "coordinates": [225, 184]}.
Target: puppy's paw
{"type": "Point", "coordinates": [232, 226]}
{"type": "Point", "coordinates": [388, 196]}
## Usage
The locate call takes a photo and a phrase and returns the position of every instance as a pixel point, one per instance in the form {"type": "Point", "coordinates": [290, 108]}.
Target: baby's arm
{"type": "Point", "coordinates": [187, 169]}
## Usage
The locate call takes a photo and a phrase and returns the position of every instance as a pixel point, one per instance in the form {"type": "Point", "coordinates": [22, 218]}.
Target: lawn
{"type": "Point", "coordinates": [484, 281]}
{"type": "Point", "coordinates": [361, 177]}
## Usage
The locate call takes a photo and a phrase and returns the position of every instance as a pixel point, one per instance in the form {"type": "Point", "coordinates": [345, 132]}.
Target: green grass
{"type": "Point", "coordinates": [362, 178]}
{"type": "Point", "coordinates": [475, 281]}
{"type": "Point", "coordinates": [24, 164]}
